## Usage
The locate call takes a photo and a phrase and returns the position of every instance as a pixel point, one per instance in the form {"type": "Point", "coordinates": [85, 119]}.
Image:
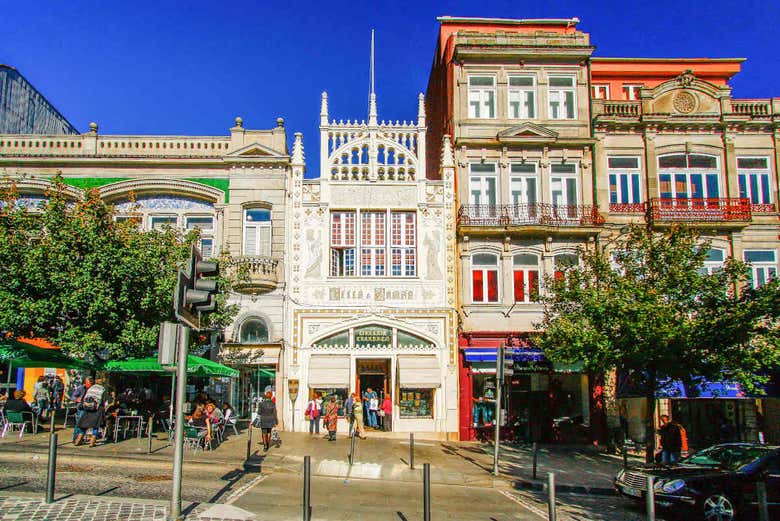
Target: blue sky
{"type": "Point", "coordinates": [190, 67]}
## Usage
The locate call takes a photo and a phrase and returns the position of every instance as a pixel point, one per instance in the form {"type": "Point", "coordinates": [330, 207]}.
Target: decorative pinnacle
{"type": "Point", "coordinates": [239, 122]}
{"type": "Point", "coordinates": [93, 127]}
{"type": "Point", "coordinates": [297, 155]}
{"type": "Point", "coordinates": [447, 158]}
{"type": "Point", "coordinates": [280, 122]}
{"type": "Point", "coordinates": [421, 110]}
{"type": "Point", "coordinates": [372, 109]}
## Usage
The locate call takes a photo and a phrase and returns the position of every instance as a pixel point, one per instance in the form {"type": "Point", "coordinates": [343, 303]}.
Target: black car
{"type": "Point", "coordinates": [717, 483]}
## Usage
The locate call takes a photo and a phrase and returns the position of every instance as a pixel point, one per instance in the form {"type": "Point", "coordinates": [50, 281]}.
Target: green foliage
{"type": "Point", "coordinates": [96, 287]}
{"type": "Point", "coordinates": [642, 304]}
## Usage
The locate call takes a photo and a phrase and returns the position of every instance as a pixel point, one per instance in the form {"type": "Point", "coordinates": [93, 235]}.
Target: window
{"type": "Point", "coordinates": [631, 92]}
{"type": "Point", "coordinates": [522, 192]}
{"type": "Point", "coordinates": [205, 224]}
{"type": "Point", "coordinates": [416, 403]}
{"type": "Point", "coordinates": [714, 261]}
{"type": "Point", "coordinates": [522, 97]}
{"type": "Point", "coordinates": [482, 97]}
{"type": "Point", "coordinates": [372, 243]}
{"type": "Point", "coordinates": [482, 184]}
{"type": "Point", "coordinates": [754, 175]}
{"type": "Point", "coordinates": [136, 220]}
{"type": "Point", "coordinates": [372, 250]}
{"type": "Point", "coordinates": [688, 176]}
{"type": "Point", "coordinates": [403, 242]}
{"type": "Point", "coordinates": [563, 262]}
{"type": "Point", "coordinates": [254, 331]}
{"type": "Point", "coordinates": [763, 266]}
{"type": "Point", "coordinates": [561, 98]}
{"type": "Point", "coordinates": [624, 182]}
{"type": "Point", "coordinates": [563, 185]}
{"type": "Point", "coordinates": [161, 222]}
{"type": "Point", "coordinates": [484, 278]}
{"type": "Point", "coordinates": [526, 277]}
{"type": "Point", "coordinates": [601, 92]}
{"type": "Point", "coordinates": [257, 232]}
{"type": "Point", "coordinates": [342, 244]}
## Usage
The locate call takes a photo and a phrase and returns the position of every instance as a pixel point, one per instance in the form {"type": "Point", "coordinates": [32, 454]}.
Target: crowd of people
{"type": "Point", "coordinates": [364, 412]}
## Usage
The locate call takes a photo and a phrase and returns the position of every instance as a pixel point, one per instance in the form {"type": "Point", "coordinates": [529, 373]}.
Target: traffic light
{"type": "Point", "coordinates": [196, 295]}
{"type": "Point", "coordinates": [509, 362]}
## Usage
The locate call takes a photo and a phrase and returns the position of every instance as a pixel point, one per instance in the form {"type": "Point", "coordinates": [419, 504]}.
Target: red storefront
{"type": "Point", "coordinates": [544, 402]}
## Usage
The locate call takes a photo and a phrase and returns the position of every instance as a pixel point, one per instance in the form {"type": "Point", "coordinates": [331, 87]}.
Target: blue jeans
{"type": "Point", "coordinates": [314, 424]}
{"type": "Point", "coordinates": [372, 419]}
{"type": "Point", "coordinates": [79, 414]}
{"type": "Point", "coordinates": [669, 457]}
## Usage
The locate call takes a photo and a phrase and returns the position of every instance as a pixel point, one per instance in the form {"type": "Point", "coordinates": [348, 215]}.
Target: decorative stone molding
{"type": "Point", "coordinates": [122, 189]}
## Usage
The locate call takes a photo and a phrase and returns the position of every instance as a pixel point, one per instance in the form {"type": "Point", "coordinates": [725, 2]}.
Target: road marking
{"type": "Point", "coordinates": [530, 508]}
{"type": "Point", "coordinates": [240, 491]}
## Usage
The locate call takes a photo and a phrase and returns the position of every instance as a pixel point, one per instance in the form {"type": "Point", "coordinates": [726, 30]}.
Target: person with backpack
{"type": "Point", "coordinates": [313, 414]}
{"type": "Point", "coordinates": [93, 407]}
{"type": "Point", "coordinates": [76, 396]}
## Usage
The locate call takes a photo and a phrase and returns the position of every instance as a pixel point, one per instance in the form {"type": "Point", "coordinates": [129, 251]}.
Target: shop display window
{"type": "Point", "coordinates": [326, 393]}
{"type": "Point", "coordinates": [416, 403]}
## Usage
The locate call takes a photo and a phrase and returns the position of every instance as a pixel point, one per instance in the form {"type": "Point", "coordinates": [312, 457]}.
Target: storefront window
{"type": "Point", "coordinates": [416, 403]}
{"type": "Point", "coordinates": [326, 393]}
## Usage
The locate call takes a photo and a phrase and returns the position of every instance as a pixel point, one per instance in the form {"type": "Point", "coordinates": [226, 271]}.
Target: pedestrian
{"type": "Point", "coordinates": [17, 403]}
{"type": "Point", "coordinates": [76, 397]}
{"type": "Point", "coordinates": [268, 418]}
{"type": "Point", "coordinates": [57, 393]}
{"type": "Point", "coordinates": [357, 414]}
{"type": "Point", "coordinates": [349, 406]}
{"type": "Point", "coordinates": [93, 407]}
{"type": "Point", "coordinates": [332, 417]}
{"type": "Point", "coordinates": [42, 397]}
{"type": "Point", "coordinates": [386, 412]}
{"type": "Point", "coordinates": [313, 414]}
{"type": "Point", "coordinates": [370, 403]}
{"type": "Point", "coordinates": [671, 440]}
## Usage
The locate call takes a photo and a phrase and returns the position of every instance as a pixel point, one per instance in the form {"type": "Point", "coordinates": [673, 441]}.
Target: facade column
{"type": "Point", "coordinates": [730, 165]}
{"type": "Point", "coordinates": [600, 168]}
{"type": "Point", "coordinates": [651, 165]}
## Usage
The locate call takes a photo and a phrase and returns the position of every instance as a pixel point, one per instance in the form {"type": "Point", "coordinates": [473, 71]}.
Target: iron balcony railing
{"type": "Point", "coordinates": [700, 210]}
{"type": "Point", "coordinates": [529, 214]}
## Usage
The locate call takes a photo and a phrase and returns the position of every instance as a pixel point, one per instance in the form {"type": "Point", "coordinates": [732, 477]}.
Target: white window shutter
{"type": "Point", "coordinates": [250, 240]}
{"type": "Point", "coordinates": [264, 234]}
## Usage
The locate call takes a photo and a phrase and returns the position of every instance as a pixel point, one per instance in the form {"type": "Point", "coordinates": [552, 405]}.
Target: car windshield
{"type": "Point", "coordinates": [731, 457]}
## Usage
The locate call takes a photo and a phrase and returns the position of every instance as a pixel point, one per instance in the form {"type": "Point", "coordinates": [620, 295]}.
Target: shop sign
{"type": "Point", "coordinates": [292, 389]}
{"type": "Point", "coordinates": [373, 336]}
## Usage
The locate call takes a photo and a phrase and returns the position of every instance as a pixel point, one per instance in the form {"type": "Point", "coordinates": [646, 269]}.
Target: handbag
{"type": "Point", "coordinates": [381, 413]}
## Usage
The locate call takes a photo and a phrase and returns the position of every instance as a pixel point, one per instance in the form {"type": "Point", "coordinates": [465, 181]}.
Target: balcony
{"type": "Point", "coordinates": [721, 211]}
{"type": "Point", "coordinates": [253, 274]}
{"type": "Point", "coordinates": [516, 217]}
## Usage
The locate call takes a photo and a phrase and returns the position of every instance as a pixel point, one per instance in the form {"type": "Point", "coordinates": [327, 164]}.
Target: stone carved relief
{"type": "Point", "coordinates": [432, 250]}
{"type": "Point", "coordinates": [314, 250]}
{"type": "Point", "coordinates": [684, 102]}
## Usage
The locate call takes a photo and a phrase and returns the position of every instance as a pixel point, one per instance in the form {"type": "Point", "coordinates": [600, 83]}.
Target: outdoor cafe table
{"type": "Point", "coordinates": [128, 418]}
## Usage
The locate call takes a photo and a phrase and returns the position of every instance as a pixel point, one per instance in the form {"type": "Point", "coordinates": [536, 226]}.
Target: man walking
{"type": "Point", "coordinates": [671, 441]}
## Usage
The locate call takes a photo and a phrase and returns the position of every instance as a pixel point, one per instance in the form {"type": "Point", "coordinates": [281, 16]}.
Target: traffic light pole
{"type": "Point", "coordinates": [497, 417]}
{"type": "Point", "coordinates": [178, 445]}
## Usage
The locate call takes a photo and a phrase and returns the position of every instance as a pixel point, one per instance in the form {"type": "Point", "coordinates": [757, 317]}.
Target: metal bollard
{"type": "Point", "coordinates": [763, 506]}
{"type": "Point", "coordinates": [51, 469]}
{"type": "Point", "coordinates": [51, 426]}
{"type": "Point", "coordinates": [535, 456]}
{"type": "Point", "coordinates": [411, 450]}
{"type": "Point", "coordinates": [307, 488]}
{"type": "Point", "coordinates": [650, 499]}
{"type": "Point", "coordinates": [249, 442]}
{"type": "Point", "coordinates": [551, 514]}
{"type": "Point", "coordinates": [151, 430]}
{"type": "Point", "coordinates": [426, 492]}
{"type": "Point", "coordinates": [352, 449]}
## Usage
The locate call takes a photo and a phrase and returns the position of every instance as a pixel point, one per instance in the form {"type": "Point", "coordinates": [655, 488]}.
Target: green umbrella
{"type": "Point", "coordinates": [22, 354]}
{"type": "Point", "coordinates": [196, 366]}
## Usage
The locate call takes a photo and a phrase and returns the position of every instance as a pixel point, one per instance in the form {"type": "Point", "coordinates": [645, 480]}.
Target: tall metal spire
{"type": "Point", "coordinates": [371, 94]}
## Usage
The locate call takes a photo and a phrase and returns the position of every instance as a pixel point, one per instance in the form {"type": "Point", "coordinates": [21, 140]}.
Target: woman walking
{"type": "Point", "coordinates": [357, 412]}
{"type": "Point", "coordinates": [332, 417]}
{"type": "Point", "coordinates": [268, 419]}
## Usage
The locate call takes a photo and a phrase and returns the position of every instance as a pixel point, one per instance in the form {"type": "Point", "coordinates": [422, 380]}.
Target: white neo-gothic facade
{"type": "Point", "coordinates": [371, 300]}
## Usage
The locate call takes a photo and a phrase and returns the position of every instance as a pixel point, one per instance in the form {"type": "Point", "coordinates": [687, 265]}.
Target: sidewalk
{"type": "Point", "coordinates": [581, 470]}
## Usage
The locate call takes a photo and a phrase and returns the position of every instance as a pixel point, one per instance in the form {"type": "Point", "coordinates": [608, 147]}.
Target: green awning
{"type": "Point", "coordinates": [196, 366]}
{"type": "Point", "coordinates": [22, 354]}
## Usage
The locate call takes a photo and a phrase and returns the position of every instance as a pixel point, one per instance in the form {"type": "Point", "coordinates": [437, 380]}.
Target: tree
{"type": "Point", "coordinates": [643, 305]}
{"type": "Point", "coordinates": [72, 274]}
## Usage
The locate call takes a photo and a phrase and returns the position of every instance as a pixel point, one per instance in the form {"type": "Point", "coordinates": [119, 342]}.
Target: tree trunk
{"type": "Point", "coordinates": [650, 419]}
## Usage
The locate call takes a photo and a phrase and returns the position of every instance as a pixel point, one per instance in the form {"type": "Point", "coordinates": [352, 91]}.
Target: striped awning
{"type": "Point", "coordinates": [519, 354]}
